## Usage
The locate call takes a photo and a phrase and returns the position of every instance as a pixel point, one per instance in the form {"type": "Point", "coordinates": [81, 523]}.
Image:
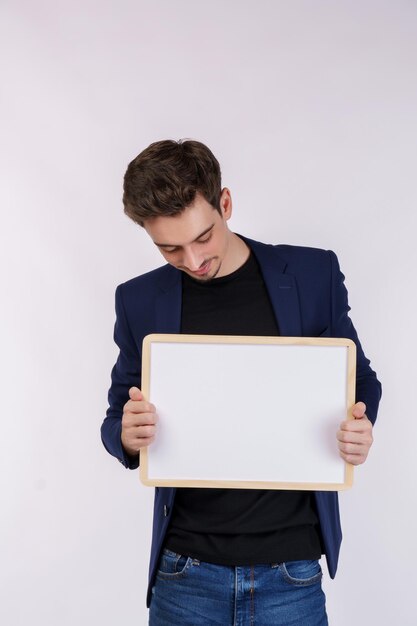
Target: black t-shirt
{"type": "Point", "coordinates": [239, 526]}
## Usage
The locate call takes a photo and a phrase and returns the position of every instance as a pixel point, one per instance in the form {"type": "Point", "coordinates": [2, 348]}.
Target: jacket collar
{"type": "Point", "coordinates": [168, 303]}
{"type": "Point", "coordinates": [281, 287]}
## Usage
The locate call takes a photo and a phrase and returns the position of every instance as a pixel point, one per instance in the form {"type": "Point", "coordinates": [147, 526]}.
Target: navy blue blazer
{"type": "Point", "coordinates": [308, 296]}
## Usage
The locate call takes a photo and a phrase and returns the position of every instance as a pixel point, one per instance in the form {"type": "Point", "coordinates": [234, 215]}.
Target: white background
{"type": "Point", "coordinates": [310, 107]}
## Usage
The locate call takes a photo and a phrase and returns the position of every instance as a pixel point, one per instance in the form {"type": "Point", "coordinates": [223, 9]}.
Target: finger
{"type": "Point", "coordinates": [138, 444]}
{"type": "Point", "coordinates": [145, 432]}
{"type": "Point", "coordinates": [358, 410]}
{"type": "Point", "coordinates": [353, 459]}
{"type": "Point", "coordinates": [135, 393]}
{"type": "Point", "coordinates": [346, 436]}
{"type": "Point", "coordinates": [134, 420]}
{"type": "Point", "coordinates": [353, 448]}
{"type": "Point", "coordinates": [139, 406]}
{"type": "Point", "coordinates": [356, 425]}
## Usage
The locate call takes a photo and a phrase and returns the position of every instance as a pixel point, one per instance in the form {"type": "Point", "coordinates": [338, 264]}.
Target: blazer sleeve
{"type": "Point", "coordinates": [368, 387]}
{"type": "Point", "coordinates": [125, 374]}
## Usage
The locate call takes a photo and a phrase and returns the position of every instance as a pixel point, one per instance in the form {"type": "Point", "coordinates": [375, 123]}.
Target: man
{"type": "Point", "coordinates": [227, 556]}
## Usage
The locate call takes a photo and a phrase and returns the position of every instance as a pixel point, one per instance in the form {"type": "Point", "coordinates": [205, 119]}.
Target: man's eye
{"type": "Point", "coordinates": [206, 239]}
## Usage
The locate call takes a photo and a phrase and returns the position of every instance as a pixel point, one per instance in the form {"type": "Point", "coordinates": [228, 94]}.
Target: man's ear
{"type": "Point", "coordinates": [226, 203]}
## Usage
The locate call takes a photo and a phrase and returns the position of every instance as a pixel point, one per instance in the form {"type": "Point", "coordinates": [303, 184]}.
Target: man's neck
{"type": "Point", "coordinates": [238, 254]}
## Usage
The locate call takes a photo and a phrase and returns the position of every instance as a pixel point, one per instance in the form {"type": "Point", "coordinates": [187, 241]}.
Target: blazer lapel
{"type": "Point", "coordinates": [168, 303]}
{"type": "Point", "coordinates": [281, 287]}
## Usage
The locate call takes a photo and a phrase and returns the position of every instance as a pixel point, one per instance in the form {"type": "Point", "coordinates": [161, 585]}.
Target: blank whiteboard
{"type": "Point", "coordinates": [247, 412]}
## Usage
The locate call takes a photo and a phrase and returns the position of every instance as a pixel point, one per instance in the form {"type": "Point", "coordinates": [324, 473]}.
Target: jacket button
{"type": "Point", "coordinates": [166, 510]}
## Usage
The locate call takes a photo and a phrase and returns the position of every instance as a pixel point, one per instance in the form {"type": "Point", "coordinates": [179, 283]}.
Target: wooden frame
{"type": "Point", "coordinates": [162, 374]}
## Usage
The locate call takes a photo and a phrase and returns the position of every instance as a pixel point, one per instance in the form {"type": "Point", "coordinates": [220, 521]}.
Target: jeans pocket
{"type": "Point", "coordinates": [171, 564]}
{"type": "Point", "coordinates": [301, 573]}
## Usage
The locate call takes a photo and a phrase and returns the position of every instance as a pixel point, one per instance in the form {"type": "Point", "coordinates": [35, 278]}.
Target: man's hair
{"type": "Point", "coordinates": [165, 178]}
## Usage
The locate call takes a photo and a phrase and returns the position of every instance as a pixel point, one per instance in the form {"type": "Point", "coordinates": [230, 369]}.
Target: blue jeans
{"type": "Point", "coordinates": [189, 592]}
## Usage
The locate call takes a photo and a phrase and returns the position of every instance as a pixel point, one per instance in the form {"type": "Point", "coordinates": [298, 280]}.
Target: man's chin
{"type": "Point", "coordinates": [205, 277]}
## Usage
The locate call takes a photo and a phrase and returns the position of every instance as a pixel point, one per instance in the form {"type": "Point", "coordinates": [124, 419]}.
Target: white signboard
{"type": "Point", "coordinates": [248, 412]}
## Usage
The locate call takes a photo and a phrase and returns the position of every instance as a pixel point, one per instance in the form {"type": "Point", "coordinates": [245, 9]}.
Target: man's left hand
{"type": "Point", "coordinates": [355, 436]}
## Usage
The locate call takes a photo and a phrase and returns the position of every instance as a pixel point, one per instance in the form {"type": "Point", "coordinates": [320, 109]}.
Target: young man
{"type": "Point", "coordinates": [224, 556]}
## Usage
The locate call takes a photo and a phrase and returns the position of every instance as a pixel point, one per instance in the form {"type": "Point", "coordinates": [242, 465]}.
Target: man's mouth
{"type": "Point", "coordinates": [204, 269]}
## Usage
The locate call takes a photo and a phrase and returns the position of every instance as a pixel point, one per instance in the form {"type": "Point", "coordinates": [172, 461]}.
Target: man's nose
{"type": "Point", "coordinates": [192, 259]}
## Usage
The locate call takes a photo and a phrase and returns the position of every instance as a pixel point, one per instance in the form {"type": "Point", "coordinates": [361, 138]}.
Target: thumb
{"type": "Point", "coordinates": [135, 393]}
{"type": "Point", "coordinates": [358, 410]}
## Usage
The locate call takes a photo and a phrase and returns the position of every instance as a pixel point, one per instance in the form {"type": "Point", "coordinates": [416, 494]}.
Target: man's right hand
{"type": "Point", "coordinates": [138, 422]}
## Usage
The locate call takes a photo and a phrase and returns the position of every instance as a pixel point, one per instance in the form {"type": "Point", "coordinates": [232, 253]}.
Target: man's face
{"type": "Point", "coordinates": [197, 240]}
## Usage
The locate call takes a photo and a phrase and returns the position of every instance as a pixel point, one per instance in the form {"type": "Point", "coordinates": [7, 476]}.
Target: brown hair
{"type": "Point", "coordinates": [165, 178]}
